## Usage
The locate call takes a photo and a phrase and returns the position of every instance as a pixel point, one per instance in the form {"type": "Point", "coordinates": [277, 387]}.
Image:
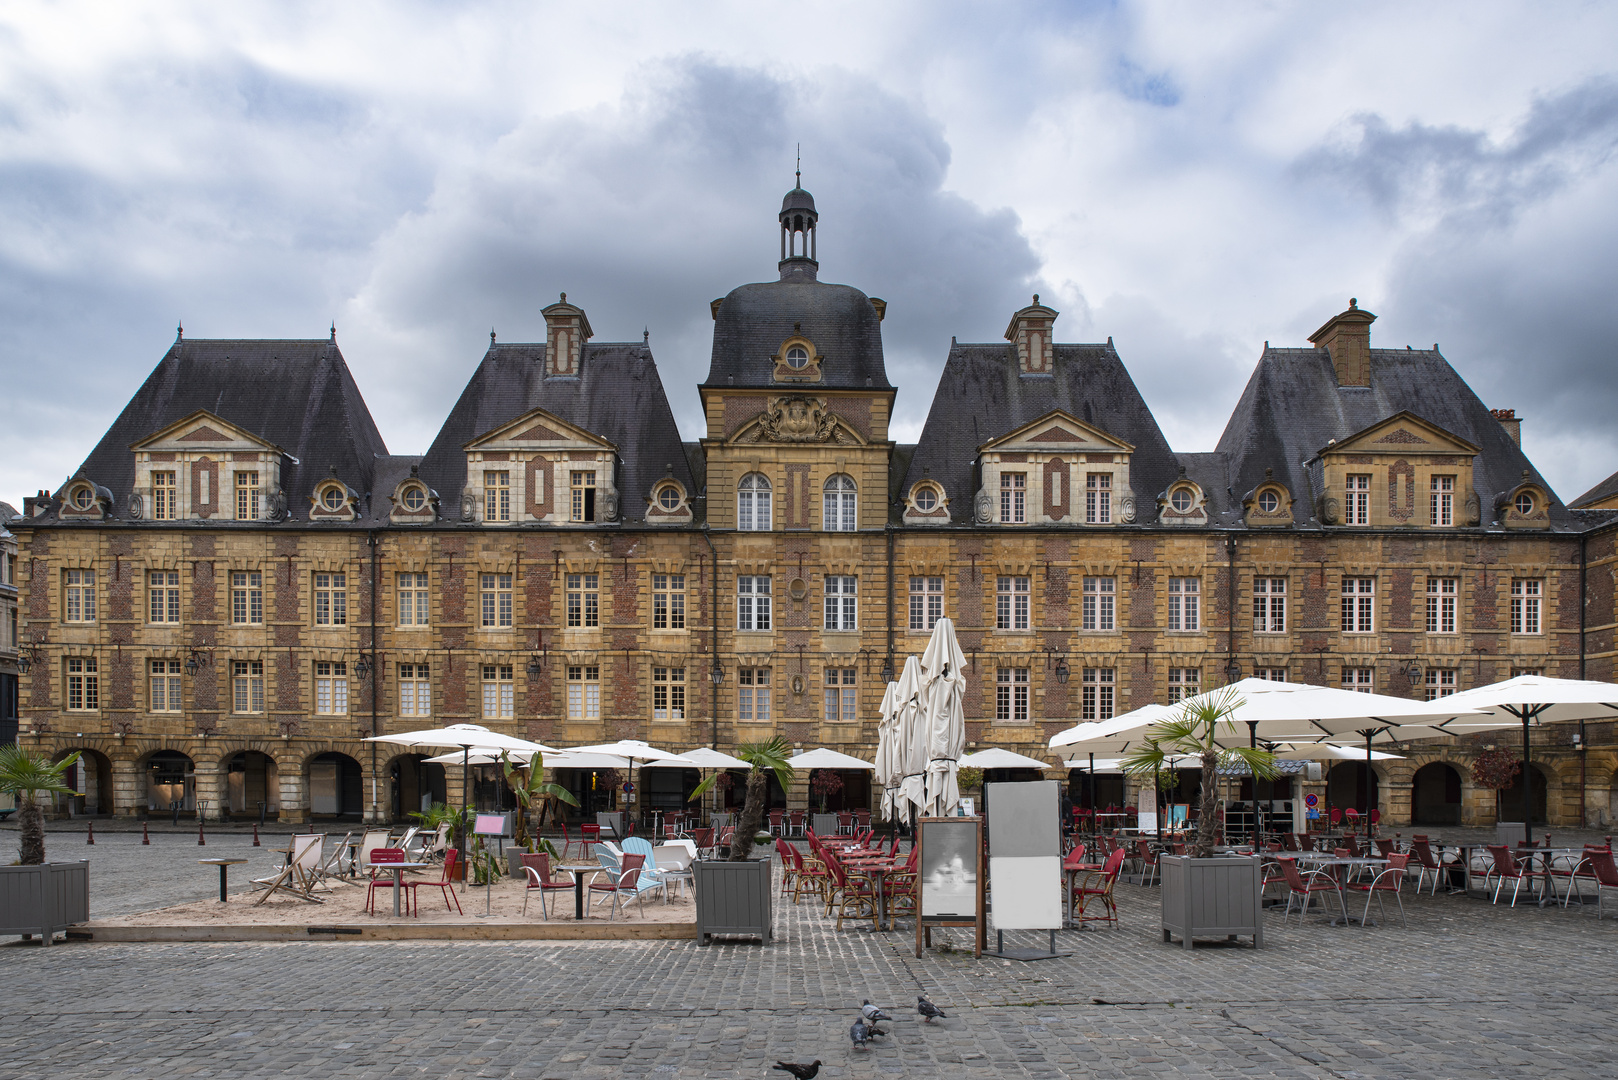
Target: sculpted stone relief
{"type": "Point", "coordinates": [799, 420]}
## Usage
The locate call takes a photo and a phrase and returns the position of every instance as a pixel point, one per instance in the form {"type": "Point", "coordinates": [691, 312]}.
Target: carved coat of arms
{"type": "Point", "coordinates": [799, 419]}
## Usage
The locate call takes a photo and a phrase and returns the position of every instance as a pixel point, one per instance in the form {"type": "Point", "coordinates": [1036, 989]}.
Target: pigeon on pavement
{"type": "Point", "coordinates": [871, 1013]}
{"type": "Point", "coordinates": [928, 1010]}
{"type": "Point", "coordinates": [802, 1072]}
{"type": "Point", "coordinates": [859, 1032]}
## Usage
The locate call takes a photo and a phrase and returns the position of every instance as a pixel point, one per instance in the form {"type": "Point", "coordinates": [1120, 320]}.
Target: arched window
{"type": "Point", "coordinates": [797, 358]}
{"type": "Point", "coordinates": [839, 515]}
{"type": "Point", "coordinates": [1525, 503]}
{"type": "Point", "coordinates": [753, 503]}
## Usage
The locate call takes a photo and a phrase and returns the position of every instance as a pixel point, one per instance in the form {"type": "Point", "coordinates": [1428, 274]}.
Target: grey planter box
{"type": "Point", "coordinates": [733, 898]}
{"type": "Point", "coordinates": [1218, 897]}
{"type": "Point", "coordinates": [44, 899]}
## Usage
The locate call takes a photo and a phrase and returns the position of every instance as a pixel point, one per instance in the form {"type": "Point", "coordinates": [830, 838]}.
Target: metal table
{"type": "Point", "coordinates": [222, 864]}
{"type": "Point", "coordinates": [398, 869]}
{"type": "Point", "coordinates": [1340, 864]}
{"type": "Point", "coordinates": [578, 870]}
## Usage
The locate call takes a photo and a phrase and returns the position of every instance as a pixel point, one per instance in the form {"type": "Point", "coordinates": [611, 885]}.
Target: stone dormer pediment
{"type": "Point", "coordinates": [1402, 434]}
{"type": "Point", "coordinates": [1057, 433]}
{"type": "Point", "coordinates": [540, 468]}
{"type": "Point", "coordinates": [538, 430]}
{"type": "Point", "coordinates": [202, 431]}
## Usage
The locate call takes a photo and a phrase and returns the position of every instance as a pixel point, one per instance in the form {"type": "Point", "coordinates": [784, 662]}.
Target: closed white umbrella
{"type": "Point", "coordinates": [996, 758]}
{"type": "Point", "coordinates": [886, 778]}
{"type": "Point", "coordinates": [943, 687]}
{"type": "Point", "coordinates": [910, 749]}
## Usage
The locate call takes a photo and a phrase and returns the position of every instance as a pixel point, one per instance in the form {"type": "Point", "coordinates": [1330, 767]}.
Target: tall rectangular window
{"type": "Point", "coordinates": [842, 604]}
{"type": "Point", "coordinates": [163, 596]}
{"type": "Point", "coordinates": [1098, 498]}
{"type": "Point", "coordinates": [246, 597]}
{"type": "Point", "coordinates": [1013, 498]}
{"type": "Point", "coordinates": [496, 495]}
{"type": "Point", "coordinates": [1185, 603]}
{"type": "Point", "coordinates": [247, 496]}
{"type": "Point", "coordinates": [413, 602]}
{"type": "Point", "coordinates": [1359, 605]}
{"type": "Point", "coordinates": [1273, 674]}
{"type": "Point", "coordinates": [331, 687]}
{"type": "Point", "coordinates": [1357, 508]}
{"type": "Point", "coordinates": [1097, 701]}
{"type": "Point", "coordinates": [1443, 504]}
{"type": "Point", "coordinates": [495, 595]}
{"type": "Point", "coordinates": [1011, 603]}
{"type": "Point", "coordinates": [1184, 682]}
{"type": "Point", "coordinates": [668, 693]}
{"type": "Point", "coordinates": [1526, 598]}
{"type": "Point", "coordinates": [247, 686]}
{"type": "Point", "coordinates": [668, 601]}
{"type": "Point", "coordinates": [583, 600]}
{"type": "Point", "coordinates": [1100, 595]}
{"type": "Point", "coordinates": [1270, 605]}
{"type": "Point", "coordinates": [583, 692]}
{"type": "Point", "coordinates": [1362, 679]}
{"type": "Point", "coordinates": [840, 699]}
{"type": "Point", "coordinates": [1440, 683]}
{"type": "Point", "coordinates": [583, 485]}
{"type": "Point", "coordinates": [83, 684]}
{"type": "Point", "coordinates": [164, 505]}
{"type": "Point", "coordinates": [1011, 695]}
{"type": "Point", "coordinates": [753, 695]}
{"type": "Point", "coordinates": [499, 692]}
{"type": "Point", "coordinates": [926, 602]}
{"type": "Point", "coordinates": [415, 690]}
{"type": "Point", "coordinates": [753, 602]}
{"type": "Point", "coordinates": [166, 692]}
{"type": "Point", "coordinates": [1441, 596]}
{"type": "Point", "coordinates": [79, 596]}
{"type": "Point", "coordinates": [331, 599]}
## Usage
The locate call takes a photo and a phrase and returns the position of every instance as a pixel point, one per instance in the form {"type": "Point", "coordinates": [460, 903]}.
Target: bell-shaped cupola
{"type": "Point", "coordinates": [798, 221]}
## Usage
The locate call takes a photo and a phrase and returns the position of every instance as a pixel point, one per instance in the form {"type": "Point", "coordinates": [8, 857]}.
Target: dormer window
{"type": "Point", "coordinates": [1269, 502]}
{"type": "Point", "coordinates": [1443, 500]}
{"type": "Point", "coordinates": [797, 358]}
{"type": "Point", "coordinates": [332, 499]}
{"type": "Point", "coordinates": [82, 497]}
{"type": "Point", "coordinates": [497, 495]}
{"type": "Point", "coordinates": [926, 498]}
{"type": "Point", "coordinates": [668, 497]}
{"type": "Point", "coordinates": [247, 496]}
{"type": "Point", "coordinates": [583, 484]}
{"type": "Point", "coordinates": [1181, 500]}
{"type": "Point", "coordinates": [1524, 503]}
{"type": "Point", "coordinates": [165, 496]}
{"type": "Point", "coordinates": [414, 498]}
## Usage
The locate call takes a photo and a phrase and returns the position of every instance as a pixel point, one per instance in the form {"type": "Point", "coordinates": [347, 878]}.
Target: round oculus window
{"type": "Point", "coordinates": [1269, 502]}
{"type": "Point", "coordinates": [414, 498]}
{"type": "Point", "coordinates": [1525, 503]}
{"type": "Point", "coordinates": [81, 498]}
{"type": "Point", "coordinates": [332, 498]}
{"type": "Point", "coordinates": [926, 499]}
{"type": "Point", "coordinates": [1181, 501]}
{"type": "Point", "coordinates": [797, 358]}
{"type": "Point", "coordinates": [668, 496]}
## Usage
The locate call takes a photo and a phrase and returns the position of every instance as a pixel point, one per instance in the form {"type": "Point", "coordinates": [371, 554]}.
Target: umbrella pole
{"type": "Point", "coordinates": [1090, 783]}
{"type": "Point", "coordinates": [1527, 783]}
{"type": "Point", "coordinates": [1368, 775]}
{"type": "Point", "coordinates": [466, 778]}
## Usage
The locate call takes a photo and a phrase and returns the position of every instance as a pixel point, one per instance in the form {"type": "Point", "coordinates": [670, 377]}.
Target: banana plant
{"type": "Point", "coordinates": [528, 784]}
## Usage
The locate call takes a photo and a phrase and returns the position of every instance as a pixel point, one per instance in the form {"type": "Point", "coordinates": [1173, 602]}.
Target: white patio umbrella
{"type": "Point", "coordinates": [909, 752]}
{"type": "Point", "coordinates": [633, 750]}
{"type": "Point", "coordinates": [1527, 701]}
{"type": "Point", "coordinates": [886, 777]}
{"type": "Point", "coordinates": [1302, 712]}
{"type": "Point", "coordinates": [1119, 735]}
{"type": "Point", "coordinates": [701, 758]}
{"type": "Point", "coordinates": [1332, 752]}
{"type": "Point", "coordinates": [943, 684]}
{"type": "Point", "coordinates": [822, 758]}
{"type": "Point", "coordinates": [996, 758]}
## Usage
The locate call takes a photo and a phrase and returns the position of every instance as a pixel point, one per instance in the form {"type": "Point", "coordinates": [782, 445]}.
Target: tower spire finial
{"type": "Point", "coordinates": [799, 173]}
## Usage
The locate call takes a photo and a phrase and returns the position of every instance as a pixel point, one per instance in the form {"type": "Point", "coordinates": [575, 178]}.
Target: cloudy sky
{"type": "Point", "coordinates": [1189, 179]}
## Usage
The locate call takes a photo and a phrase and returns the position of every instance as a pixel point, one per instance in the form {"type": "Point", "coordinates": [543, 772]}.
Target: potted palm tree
{"type": "Point", "coordinates": [734, 894]}
{"type": "Point", "coordinates": [39, 897]}
{"type": "Point", "coordinates": [1205, 895]}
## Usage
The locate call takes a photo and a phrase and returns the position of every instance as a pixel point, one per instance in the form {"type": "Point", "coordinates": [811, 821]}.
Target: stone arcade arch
{"type": "Point", "coordinates": [1435, 797]}
{"type": "Point", "coordinates": [335, 784]}
{"type": "Point", "coordinates": [1346, 786]}
{"type": "Point", "coordinates": [91, 775]}
{"type": "Point", "coordinates": [170, 777]}
{"type": "Point", "coordinates": [252, 780]}
{"type": "Point", "coordinates": [413, 785]}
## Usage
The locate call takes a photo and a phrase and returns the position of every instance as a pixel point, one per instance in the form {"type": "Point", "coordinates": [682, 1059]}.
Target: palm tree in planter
{"type": "Point", "coordinates": [28, 777]}
{"type": "Point", "coordinates": [765, 758]}
{"type": "Point", "coordinates": [528, 784]}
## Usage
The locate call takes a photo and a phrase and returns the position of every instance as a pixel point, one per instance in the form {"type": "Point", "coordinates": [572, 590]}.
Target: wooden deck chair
{"type": "Point", "coordinates": [301, 873]}
{"type": "Point", "coordinates": [373, 839]}
{"type": "Point", "coordinates": [436, 843]}
{"type": "Point", "coordinates": [407, 839]}
{"type": "Point", "coordinates": [336, 862]}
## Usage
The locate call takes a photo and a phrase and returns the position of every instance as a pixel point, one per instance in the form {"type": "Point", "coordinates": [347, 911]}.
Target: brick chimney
{"type": "Point", "coordinates": [566, 331]}
{"type": "Point", "coordinates": [1510, 421]}
{"type": "Point", "coordinates": [1347, 337]}
{"type": "Point", "coordinates": [1030, 334]}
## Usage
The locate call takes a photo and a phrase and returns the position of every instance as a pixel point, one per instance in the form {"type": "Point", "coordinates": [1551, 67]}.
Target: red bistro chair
{"type": "Point", "coordinates": [1506, 868]}
{"type": "Point", "coordinates": [537, 869]}
{"type": "Point", "coordinates": [1306, 885]}
{"type": "Point", "coordinates": [626, 884]}
{"type": "Point", "coordinates": [444, 883]}
{"type": "Point", "coordinates": [1388, 881]}
{"type": "Point", "coordinates": [386, 856]}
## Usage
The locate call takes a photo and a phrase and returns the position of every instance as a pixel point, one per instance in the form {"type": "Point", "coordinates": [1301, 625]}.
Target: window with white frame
{"type": "Point", "coordinates": [246, 597]}
{"type": "Point", "coordinates": [165, 505]}
{"type": "Point", "coordinates": [584, 692]}
{"type": "Point", "coordinates": [1443, 504]}
{"type": "Point", "coordinates": [1011, 603]}
{"type": "Point", "coordinates": [247, 686]}
{"type": "Point", "coordinates": [1184, 682]}
{"type": "Point", "coordinates": [331, 599]}
{"type": "Point", "coordinates": [1097, 701]}
{"type": "Point", "coordinates": [1362, 679]}
{"type": "Point", "coordinates": [79, 596]}
{"type": "Point", "coordinates": [499, 692]}
{"type": "Point", "coordinates": [1516, 671]}
{"type": "Point", "coordinates": [163, 596]}
{"type": "Point", "coordinates": [1441, 596]}
{"type": "Point", "coordinates": [753, 602]}
{"type": "Point", "coordinates": [83, 684]}
{"type": "Point", "coordinates": [839, 508]}
{"type": "Point", "coordinates": [1098, 498]}
{"type": "Point", "coordinates": [1099, 604]}
{"type": "Point", "coordinates": [840, 697]}
{"type": "Point", "coordinates": [1269, 605]}
{"type": "Point", "coordinates": [583, 485]}
{"type": "Point", "coordinates": [1359, 605]}
{"type": "Point", "coordinates": [247, 496]}
{"type": "Point", "coordinates": [495, 595]}
{"type": "Point", "coordinates": [331, 687]}
{"type": "Point", "coordinates": [1440, 683]}
{"type": "Point", "coordinates": [926, 602]}
{"type": "Point", "coordinates": [166, 694]}
{"type": "Point", "coordinates": [1185, 604]}
{"type": "Point", "coordinates": [1013, 498]}
{"type": "Point", "coordinates": [668, 693]}
{"type": "Point", "coordinates": [1273, 674]}
{"type": "Point", "coordinates": [413, 599]}
{"type": "Point", "coordinates": [842, 602]}
{"type": "Point", "coordinates": [1011, 695]}
{"type": "Point", "coordinates": [668, 601]}
{"type": "Point", "coordinates": [583, 600]}
{"type": "Point", "coordinates": [497, 495]}
{"type": "Point", "coordinates": [1526, 600]}
{"type": "Point", "coordinates": [753, 695]}
{"type": "Point", "coordinates": [1357, 504]}
{"type": "Point", "coordinates": [415, 690]}
{"type": "Point", "coordinates": [753, 510]}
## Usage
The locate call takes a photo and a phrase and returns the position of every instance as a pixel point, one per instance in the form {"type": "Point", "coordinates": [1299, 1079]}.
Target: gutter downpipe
{"type": "Point", "coordinates": [374, 543]}
{"type": "Point", "coordinates": [889, 530]}
{"type": "Point", "coordinates": [713, 617]}
{"type": "Point", "coordinates": [1583, 748]}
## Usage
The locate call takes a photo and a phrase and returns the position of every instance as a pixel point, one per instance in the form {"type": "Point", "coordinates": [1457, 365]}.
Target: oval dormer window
{"type": "Point", "coordinates": [1525, 504]}
{"type": "Point", "coordinates": [1269, 502]}
{"type": "Point", "coordinates": [797, 358]}
{"type": "Point", "coordinates": [926, 499]}
{"type": "Point", "coordinates": [668, 497]}
{"type": "Point", "coordinates": [1181, 501]}
{"type": "Point", "coordinates": [414, 498]}
{"type": "Point", "coordinates": [82, 498]}
{"type": "Point", "coordinates": [332, 499]}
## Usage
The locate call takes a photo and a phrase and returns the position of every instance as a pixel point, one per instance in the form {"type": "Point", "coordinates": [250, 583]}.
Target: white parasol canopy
{"type": "Point", "coordinates": [1301, 712]}
{"type": "Point", "coordinates": [634, 749]}
{"type": "Point", "coordinates": [701, 758]}
{"type": "Point", "coordinates": [1119, 735]}
{"type": "Point", "coordinates": [909, 751]}
{"type": "Point", "coordinates": [886, 775]}
{"type": "Point", "coordinates": [943, 684]}
{"type": "Point", "coordinates": [823, 758]}
{"type": "Point", "coordinates": [996, 758]}
{"type": "Point", "coordinates": [1333, 752]}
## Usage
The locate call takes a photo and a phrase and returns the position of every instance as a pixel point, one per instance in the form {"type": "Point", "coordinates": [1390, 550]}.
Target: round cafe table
{"type": "Point", "coordinates": [222, 864]}
{"type": "Point", "coordinates": [578, 870]}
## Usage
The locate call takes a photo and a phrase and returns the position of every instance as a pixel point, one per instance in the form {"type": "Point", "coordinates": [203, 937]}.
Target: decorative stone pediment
{"type": "Point", "coordinates": [203, 431]}
{"type": "Point", "coordinates": [796, 418]}
{"type": "Point", "coordinates": [1057, 432]}
{"type": "Point", "coordinates": [538, 430]}
{"type": "Point", "coordinates": [1402, 434]}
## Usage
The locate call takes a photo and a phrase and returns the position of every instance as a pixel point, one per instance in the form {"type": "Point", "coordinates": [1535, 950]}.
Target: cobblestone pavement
{"type": "Point", "coordinates": [1466, 990]}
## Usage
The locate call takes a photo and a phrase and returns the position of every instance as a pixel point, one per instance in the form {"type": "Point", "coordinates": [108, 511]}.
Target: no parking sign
{"type": "Point", "coordinates": [1312, 802]}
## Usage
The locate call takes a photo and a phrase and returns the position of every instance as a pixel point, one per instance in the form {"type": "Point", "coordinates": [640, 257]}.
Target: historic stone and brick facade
{"type": "Point", "coordinates": [241, 583]}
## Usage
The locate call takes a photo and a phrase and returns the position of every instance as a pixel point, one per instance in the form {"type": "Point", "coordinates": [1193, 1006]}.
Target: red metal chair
{"type": "Point", "coordinates": [1336, 817]}
{"type": "Point", "coordinates": [1148, 862]}
{"type": "Point", "coordinates": [589, 836]}
{"type": "Point", "coordinates": [795, 820]}
{"type": "Point", "coordinates": [1289, 841]}
{"type": "Point", "coordinates": [777, 820]}
{"type": "Point", "coordinates": [537, 869]}
{"type": "Point", "coordinates": [627, 882]}
{"type": "Point", "coordinates": [444, 884]}
{"type": "Point", "coordinates": [1506, 868]}
{"type": "Point", "coordinates": [1307, 885]}
{"type": "Point", "coordinates": [862, 818]}
{"type": "Point", "coordinates": [1604, 870]}
{"type": "Point", "coordinates": [1353, 817]}
{"type": "Point", "coordinates": [845, 823]}
{"type": "Point", "coordinates": [383, 857]}
{"type": "Point", "coordinates": [567, 839]}
{"type": "Point", "coordinates": [1098, 885]}
{"type": "Point", "coordinates": [1426, 863]}
{"type": "Point", "coordinates": [1388, 881]}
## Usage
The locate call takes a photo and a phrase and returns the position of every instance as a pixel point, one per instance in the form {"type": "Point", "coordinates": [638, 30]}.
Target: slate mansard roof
{"type": "Point", "coordinates": [618, 396]}
{"type": "Point", "coordinates": [754, 320]}
{"type": "Point", "coordinates": [1604, 490]}
{"type": "Point", "coordinates": [982, 395]}
{"type": "Point", "coordinates": [1293, 407]}
{"type": "Point", "coordinates": [296, 394]}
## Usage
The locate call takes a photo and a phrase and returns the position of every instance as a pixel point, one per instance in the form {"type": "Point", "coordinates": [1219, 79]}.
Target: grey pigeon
{"type": "Point", "coordinates": [875, 1031]}
{"type": "Point", "coordinates": [928, 1010]}
{"type": "Point", "coordinates": [872, 1013]}
{"type": "Point", "coordinates": [802, 1072]}
{"type": "Point", "coordinates": [859, 1032]}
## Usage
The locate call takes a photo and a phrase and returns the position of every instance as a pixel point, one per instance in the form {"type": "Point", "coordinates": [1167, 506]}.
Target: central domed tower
{"type": "Point", "coordinates": [798, 221]}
